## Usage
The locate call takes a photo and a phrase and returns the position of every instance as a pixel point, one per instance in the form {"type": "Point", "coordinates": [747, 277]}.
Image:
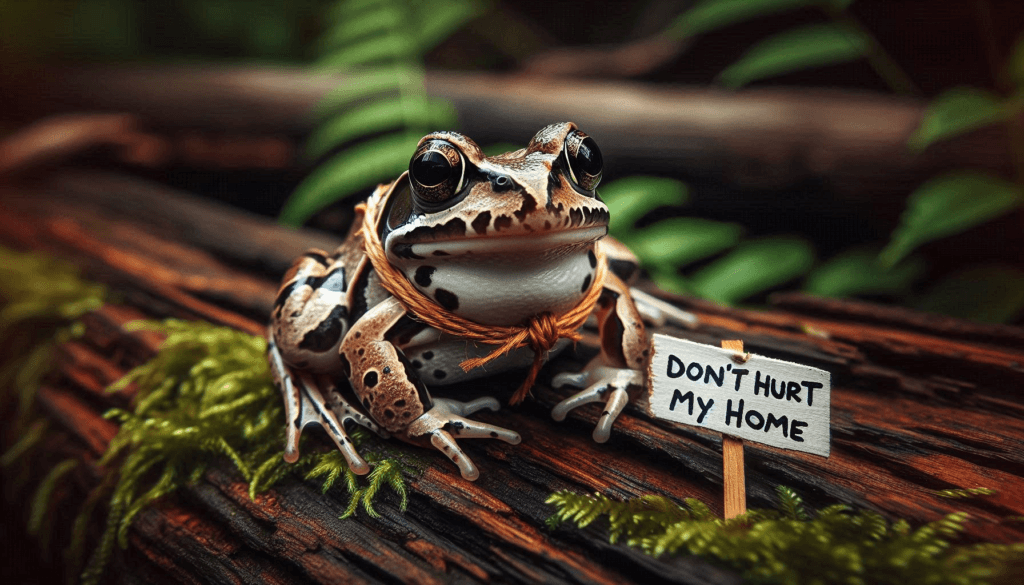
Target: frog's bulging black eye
{"type": "Point", "coordinates": [436, 172]}
{"type": "Point", "coordinates": [583, 159]}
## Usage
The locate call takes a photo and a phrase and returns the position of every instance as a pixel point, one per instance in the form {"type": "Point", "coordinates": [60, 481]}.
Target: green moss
{"type": "Point", "coordinates": [791, 545]}
{"type": "Point", "coordinates": [41, 299]}
{"type": "Point", "coordinates": [208, 393]}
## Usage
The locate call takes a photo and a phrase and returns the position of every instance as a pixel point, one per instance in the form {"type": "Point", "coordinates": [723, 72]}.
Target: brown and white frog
{"type": "Point", "coordinates": [495, 240]}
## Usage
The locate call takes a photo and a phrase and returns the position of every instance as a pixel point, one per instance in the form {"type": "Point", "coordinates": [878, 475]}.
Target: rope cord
{"type": "Point", "coordinates": [540, 334]}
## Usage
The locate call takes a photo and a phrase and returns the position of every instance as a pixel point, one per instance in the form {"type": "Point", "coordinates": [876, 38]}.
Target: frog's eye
{"type": "Point", "coordinates": [437, 172]}
{"type": "Point", "coordinates": [583, 160]}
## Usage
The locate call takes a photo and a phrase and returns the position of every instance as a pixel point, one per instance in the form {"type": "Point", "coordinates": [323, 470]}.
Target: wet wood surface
{"type": "Point", "coordinates": [920, 403]}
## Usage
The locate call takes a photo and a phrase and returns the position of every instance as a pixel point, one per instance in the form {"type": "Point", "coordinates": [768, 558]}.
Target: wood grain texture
{"type": "Point", "coordinates": [919, 404]}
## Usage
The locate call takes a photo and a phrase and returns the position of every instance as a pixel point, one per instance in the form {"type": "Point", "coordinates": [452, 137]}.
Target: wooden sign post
{"type": "Point", "coordinates": [733, 477]}
{"type": "Point", "coordinates": [758, 399]}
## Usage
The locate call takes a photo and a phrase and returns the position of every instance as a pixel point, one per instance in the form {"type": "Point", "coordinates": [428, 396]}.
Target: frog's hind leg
{"type": "Point", "coordinates": [304, 405]}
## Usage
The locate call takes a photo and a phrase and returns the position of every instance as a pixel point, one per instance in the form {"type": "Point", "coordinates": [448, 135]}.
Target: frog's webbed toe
{"type": "Point", "coordinates": [600, 384]}
{"type": "Point", "coordinates": [304, 405]}
{"type": "Point", "coordinates": [446, 420]}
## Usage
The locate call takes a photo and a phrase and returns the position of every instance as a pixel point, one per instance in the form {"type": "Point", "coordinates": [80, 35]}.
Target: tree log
{"type": "Point", "coordinates": [919, 404]}
{"type": "Point", "coordinates": [763, 138]}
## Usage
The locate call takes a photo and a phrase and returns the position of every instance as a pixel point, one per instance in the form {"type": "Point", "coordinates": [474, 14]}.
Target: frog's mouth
{"type": "Point", "coordinates": [511, 244]}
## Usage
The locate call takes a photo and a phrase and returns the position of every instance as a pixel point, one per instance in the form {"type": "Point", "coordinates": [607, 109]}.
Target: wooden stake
{"type": "Point", "coordinates": [732, 462]}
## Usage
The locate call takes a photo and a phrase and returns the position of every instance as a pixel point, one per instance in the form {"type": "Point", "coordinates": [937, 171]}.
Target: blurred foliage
{"type": "Point", "coordinates": [270, 30]}
{"type": "Point", "coordinates": [369, 125]}
{"type": "Point", "coordinates": [792, 545]}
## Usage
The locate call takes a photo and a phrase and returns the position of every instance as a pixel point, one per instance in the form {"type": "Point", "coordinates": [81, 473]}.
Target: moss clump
{"type": "Point", "coordinates": [41, 299]}
{"type": "Point", "coordinates": [791, 545]}
{"type": "Point", "coordinates": [209, 393]}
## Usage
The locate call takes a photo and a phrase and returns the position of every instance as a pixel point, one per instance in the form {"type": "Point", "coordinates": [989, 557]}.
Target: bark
{"type": "Point", "coordinates": [919, 404]}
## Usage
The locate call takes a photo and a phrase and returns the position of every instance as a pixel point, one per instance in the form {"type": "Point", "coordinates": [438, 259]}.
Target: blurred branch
{"type": "Point", "coordinates": [767, 138]}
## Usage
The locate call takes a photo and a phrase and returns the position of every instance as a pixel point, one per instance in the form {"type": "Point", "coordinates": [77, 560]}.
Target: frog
{"type": "Point", "coordinates": [496, 240]}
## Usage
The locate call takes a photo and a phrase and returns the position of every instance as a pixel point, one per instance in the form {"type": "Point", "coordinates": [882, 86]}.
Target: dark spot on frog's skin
{"type": "Point", "coordinates": [387, 369]}
{"type": "Point", "coordinates": [428, 355]}
{"type": "Point", "coordinates": [423, 274]}
{"type": "Point", "coordinates": [318, 257]}
{"type": "Point", "coordinates": [575, 217]}
{"type": "Point", "coordinates": [547, 224]}
{"type": "Point", "coordinates": [453, 228]}
{"type": "Point", "coordinates": [370, 379]}
{"type": "Point", "coordinates": [400, 403]}
{"type": "Point", "coordinates": [285, 293]}
{"type": "Point", "coordinates": [361, 351]}
{"type": "Point", "coordinates": [454, 427]}
{"type": "Point", "coordinates": [494, 435]}
{"type": "Point", "coordinates": [646, 352]}
{"type": "Point", "coordinates": [358, 334]}
{"type": "Point", "coordinates": [528, 206]}
{"type": "Point", "coordinates": [440, 253]}
{"type": "Point", "coordinates": [295, 314]}
{"type": "Point", "coordinates": [502, 222]}
{"type": "Point", "coordinates": [366, 403]}
{"type": "Point", "coordinates": [405, 251]}
{"type": "Point", "coordinates": [586, 284]}
{"type": "Point", "coordinates": [389, 414]}
{"type": "Point", "coordinates": [439, 374]}
{"type": "Point", "coordinates": [554, 184]}
{"type": "Point", "coordinates": [327, 333]}
{"type": "Point", "coordinates": [417, 364]}
{"type": "Point", "coordinates": [639, 360]}
{"type": "Point", "coordinates": [447, 299]}
{"type": "Point", "coordinates": [481, 222]}
{"type": "Point", "coordinates": [605, 413]}
{"type": "Point", "coordinates": [592, 258]}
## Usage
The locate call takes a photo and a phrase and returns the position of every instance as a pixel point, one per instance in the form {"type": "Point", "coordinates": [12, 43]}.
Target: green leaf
{"type": "Point", "coordinates": [858, 272]}
{"type": "Point", "coordinates": [991, 294]}
{"type": "Point", "coordinates": [436, 21]}
{"type": "Point", "coordinates": [948, 205]}
{"type": "Point", "coordinates": [682, 240]}
{"type": "Point", "coordinates": [377, 49]}
{"type": "Point", "coordinates": [631, 198]}
{"type": "Point", "coordinates": [669, 280]}
{"type": "Point", "coordinates": [713, 14]}
{"type": "Point", "coordinates": [366, 85]}
{"type": "Point", "coordinates": [814, 45]}
{"type": "Point", "coordinates": [355, 169]}
{"type": "Point", "coordinates": [375, 117]}
{"type": "Point", "coordinates": [753, 267]}
{"type": "Point", "coordinates": [957, 111]}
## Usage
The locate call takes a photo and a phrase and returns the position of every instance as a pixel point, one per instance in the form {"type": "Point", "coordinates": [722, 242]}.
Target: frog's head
{"type": "Point", "coordinates": [455, 201]}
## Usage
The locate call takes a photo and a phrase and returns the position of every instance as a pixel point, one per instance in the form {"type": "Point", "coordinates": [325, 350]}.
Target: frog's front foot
{"type": "Point", "coordinates": [445, 421]}
{"type": "Point", "coordinates": [600, 383]}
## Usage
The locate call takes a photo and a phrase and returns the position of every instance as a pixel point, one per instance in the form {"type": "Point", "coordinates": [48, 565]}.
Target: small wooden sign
{"type": "Point", "coordinates": [764, 400]}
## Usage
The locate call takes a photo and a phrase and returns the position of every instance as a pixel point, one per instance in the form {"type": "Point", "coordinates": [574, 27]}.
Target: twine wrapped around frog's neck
{"type": "Point", "coordinates": [540, 334]}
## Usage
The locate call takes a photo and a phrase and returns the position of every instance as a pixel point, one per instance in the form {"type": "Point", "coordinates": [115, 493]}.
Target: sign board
{"type": "Point", "coordinates": [764, 400]}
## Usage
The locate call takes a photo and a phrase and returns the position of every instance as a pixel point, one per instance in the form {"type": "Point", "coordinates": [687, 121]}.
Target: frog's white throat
{"type": "Point", "coordinates": [508, 288]}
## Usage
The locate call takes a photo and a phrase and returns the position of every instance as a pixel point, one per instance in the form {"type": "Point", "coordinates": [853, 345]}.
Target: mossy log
{"type": "Point", "coordinates": [920, 404]}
